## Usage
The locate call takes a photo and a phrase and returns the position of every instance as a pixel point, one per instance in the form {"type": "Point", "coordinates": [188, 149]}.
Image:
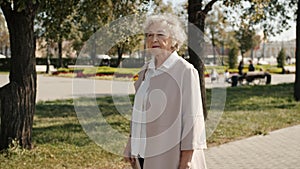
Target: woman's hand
{"type": "Point", "coordinates": [127, 154]}
{"type": "Point", "coordinates": [130, 159]}
{"type": "Point", "coordinates": [185, 159]}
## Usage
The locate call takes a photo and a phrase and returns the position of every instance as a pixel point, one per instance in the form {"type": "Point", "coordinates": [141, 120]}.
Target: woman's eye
{"type": "Point", "coordinates": [149, 35]}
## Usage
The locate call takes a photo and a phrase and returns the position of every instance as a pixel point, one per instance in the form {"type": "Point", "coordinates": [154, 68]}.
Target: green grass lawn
{"type": "Point", "coordinates": [3, 73]}
{"type": "Point", "coordinates": [60, 142]}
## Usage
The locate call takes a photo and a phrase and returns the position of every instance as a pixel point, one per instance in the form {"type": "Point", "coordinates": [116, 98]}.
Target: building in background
{"type": "Point", "coordinates": [269, 50]}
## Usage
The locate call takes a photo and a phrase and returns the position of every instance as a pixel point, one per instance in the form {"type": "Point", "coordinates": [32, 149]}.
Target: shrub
{"type": "Point", "coordinates": [281, 58]}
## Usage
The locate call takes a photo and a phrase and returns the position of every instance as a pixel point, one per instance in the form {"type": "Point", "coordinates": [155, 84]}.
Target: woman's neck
{"type": "Point", "coordinates": [160, 59]}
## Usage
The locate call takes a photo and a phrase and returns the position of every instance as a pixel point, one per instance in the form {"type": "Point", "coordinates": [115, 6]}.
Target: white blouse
{"type": "Point", "coordinates": [138, 124]}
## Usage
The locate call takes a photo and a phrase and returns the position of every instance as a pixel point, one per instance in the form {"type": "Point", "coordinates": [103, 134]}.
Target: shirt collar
{"type": "Point", "coordinates": [169, 62]}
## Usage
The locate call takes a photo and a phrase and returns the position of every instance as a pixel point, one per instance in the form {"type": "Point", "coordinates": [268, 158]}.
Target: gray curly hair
{"type": "Point", "coordinates": [175, 28]}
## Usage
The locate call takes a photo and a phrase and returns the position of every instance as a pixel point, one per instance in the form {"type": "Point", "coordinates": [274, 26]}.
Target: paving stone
{"type": "Point", "coordinates": [278, 150]}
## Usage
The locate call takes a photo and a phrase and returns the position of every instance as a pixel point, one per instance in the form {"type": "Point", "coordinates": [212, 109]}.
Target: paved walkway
{"type": "Point", "coordinates": [278, 150]}
{"type": "Point", "coordinates": [51, 88]}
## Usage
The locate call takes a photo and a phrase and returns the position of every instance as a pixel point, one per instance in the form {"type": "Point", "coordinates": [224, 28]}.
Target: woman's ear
{"type": "Point", "coordinates": [174, 45]}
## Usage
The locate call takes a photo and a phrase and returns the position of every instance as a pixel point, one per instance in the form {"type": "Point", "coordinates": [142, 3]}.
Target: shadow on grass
{"type": "Point", "coordinates": [115, 105]}
{"type": "Point", "coordinates": [55, 109]}
{"type": "Point", "coordinates": [68, 133]}
{"type": "Point", "coordinates": [57, 121]}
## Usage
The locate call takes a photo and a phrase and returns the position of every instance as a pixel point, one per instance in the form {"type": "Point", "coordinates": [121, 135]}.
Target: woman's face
{"type": "Point", "coordinates": [158, 38]}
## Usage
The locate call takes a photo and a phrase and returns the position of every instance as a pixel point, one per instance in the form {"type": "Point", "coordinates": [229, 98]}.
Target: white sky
{"type": "Point", "coordinates": [284, 36]}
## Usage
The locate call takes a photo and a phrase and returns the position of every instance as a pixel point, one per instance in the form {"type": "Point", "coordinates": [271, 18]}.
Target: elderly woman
{"type": "Point", "coordinates": [167, 125]}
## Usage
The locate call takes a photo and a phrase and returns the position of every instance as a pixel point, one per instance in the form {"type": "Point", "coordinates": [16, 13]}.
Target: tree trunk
{"type": "Point", "coordinates": [1, 48]}
{"type": "Point", "coordinates": [223, 53]}
{"type": "Point", "coordinates": [94, 50]}
{"type": "Point", "coordinates": [60, 60]}
{"type": "Point", "coordinates": [48, 62]}
{"type": "Point", "coordinates": [120, 54]}
{"type": "Point", "coordinates": [242, 54]}
{"type": "Point", "coordinates": [6, 51]}
{"type": "Point", "coordinates": [18, 96]}
{"type": "Point", "coordinates": [252, 54]}
{"type": "Point", "coordinates": [196, 39]}
{"type": "Point", "coordinates": [213, 46]}
{"type": "Point", "coordinates": [297, 81]}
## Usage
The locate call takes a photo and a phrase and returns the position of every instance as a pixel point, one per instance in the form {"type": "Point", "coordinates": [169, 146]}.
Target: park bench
{"type": "Point", "coordinates": [251, 78]}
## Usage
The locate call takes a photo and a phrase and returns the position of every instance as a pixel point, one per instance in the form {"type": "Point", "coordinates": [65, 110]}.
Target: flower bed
{"type": "Point", "coordinates": [97, 72]}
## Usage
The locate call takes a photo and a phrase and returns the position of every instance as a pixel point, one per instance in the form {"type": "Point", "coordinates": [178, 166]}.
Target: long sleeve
{"type": "Point", "coordinates": [193, 127]}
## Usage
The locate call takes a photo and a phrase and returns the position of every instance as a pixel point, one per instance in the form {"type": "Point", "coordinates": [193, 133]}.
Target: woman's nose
{"type": "Point", "coordinates": [154, 38]}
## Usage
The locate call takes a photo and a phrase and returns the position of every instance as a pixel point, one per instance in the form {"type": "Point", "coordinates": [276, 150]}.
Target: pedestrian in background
{"type": "Point", "coordinates": [251, 67]}
{"type": "Point", "coordinates": [214, 75]}
{"type": "Point", "coordinates": [241, 67]}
